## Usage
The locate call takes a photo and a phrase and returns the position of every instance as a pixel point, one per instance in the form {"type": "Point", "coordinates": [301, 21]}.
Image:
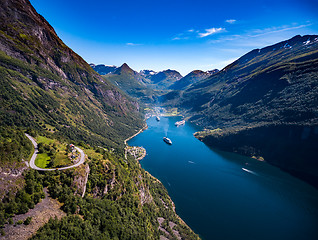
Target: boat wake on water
{"type": "Point", "coordinates": [250, 171]}
{"type": "Point", "coordinates": [191, 162]}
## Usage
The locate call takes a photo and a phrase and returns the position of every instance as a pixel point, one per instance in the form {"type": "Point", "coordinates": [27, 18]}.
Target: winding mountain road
{"type": "Point", "coordinates": [32, 160]}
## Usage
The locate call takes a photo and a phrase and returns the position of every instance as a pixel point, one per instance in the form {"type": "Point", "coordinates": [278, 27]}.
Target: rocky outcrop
{"type": "Point", "coordinates": [144, 193]}
{"type": "Point", "coordinates": [11, 178]}
{"type": "Point", "coordinates": [80, 179]}
{"type": "Point", "coordinates": [40, 214]}
{"type": "Point", "coordinates": [168, 229]}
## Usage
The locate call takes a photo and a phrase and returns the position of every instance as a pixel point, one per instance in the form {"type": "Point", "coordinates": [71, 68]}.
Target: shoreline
{"type": "Point", "coordinates": [131, 137]}
{"type": "Point", "coordinates": [156, 179]}
{"type": "Point", "coordinates": [140, 131]}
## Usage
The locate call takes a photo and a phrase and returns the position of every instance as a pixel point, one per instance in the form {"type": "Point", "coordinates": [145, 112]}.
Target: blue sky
{"type": "Point", "coordinates": [182, 35]}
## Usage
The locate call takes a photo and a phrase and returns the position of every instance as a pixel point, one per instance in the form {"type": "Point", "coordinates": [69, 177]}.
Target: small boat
{"type": "Point", "coordinates": [167, 140]}
{"type": "Point", "coordinates": [180, 123]}
{"type": "Point", "coordinates": [158, 118]}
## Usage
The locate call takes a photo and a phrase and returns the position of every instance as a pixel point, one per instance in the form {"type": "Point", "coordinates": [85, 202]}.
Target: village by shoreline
{"type": "Point", "coordinates": [138, 152]}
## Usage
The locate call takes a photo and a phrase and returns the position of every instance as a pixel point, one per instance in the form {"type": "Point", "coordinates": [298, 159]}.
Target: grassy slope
{"type": "Point", "coordinates": [54, 153]}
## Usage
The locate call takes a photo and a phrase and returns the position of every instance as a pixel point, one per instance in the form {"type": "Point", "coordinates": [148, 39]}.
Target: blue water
{"type": "Point", "coordinates": [220, 200]}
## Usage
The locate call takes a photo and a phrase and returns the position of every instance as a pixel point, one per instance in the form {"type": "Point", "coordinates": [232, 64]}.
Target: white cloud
{"type": "Point", "coordinates": [271, 30]}
{"type": "Point", "coordinates": [180, 38]}
{"type": "Point", "coordinates": [258, 38]}
{"type": "Point", "coordinates": [211, 31]}
{"type": "Point", "coordinates": [230, 21]}
{"type": "Point", "coordinates": [184, 35]}
{"type": "Point", "coordinates": [133, 44]}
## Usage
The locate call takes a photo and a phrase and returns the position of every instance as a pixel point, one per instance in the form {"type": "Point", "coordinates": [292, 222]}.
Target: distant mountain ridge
{"type": "Point", "coordinates": [192, 77]}
{"type": "Point", "coordinates": [145, 85]}
{"type": "Point", "coordinates": [103, 69]}
{"type": "Point", "coordinates": [139, 84]}
{"type": "Point", "coordinates": [163, 78]}
{"type": "Point", "coordinates": [129, 81]}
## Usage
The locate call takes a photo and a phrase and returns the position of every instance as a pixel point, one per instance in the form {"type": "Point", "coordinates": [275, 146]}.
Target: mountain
{"type": "Point", "coordinates": [192, 77]}
{"type": "Point", "coordinates": [147, 73]}
{"type": "Point", "coordinates": [146, 85]}
{"type": "Point", "coordinates": [132, 83]}
{"type": "Point", "coordinates": [53, 94]}
{"type": "Point", "coordinates": [263, 104]}
{"type": "Point", "coordinates": [44, 83]}
{"type": "Point", "coordinates": [103, 69]}
{"type": "Point", "coordinates": [164, 79]}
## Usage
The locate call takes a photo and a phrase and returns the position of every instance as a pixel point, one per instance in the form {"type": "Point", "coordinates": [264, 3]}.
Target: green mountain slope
{"type": "Point", "coordinates": [44, 84]}
{"type": "Point", "coordinates": [267, 91]}
{"type": "Point", "coordinates": [122, 201]}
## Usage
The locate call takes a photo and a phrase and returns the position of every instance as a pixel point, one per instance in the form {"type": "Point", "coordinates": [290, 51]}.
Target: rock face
{"type": "Point", "coordinates": [44, 81]}
{"type": "Point", "coordinates": [80, 179]}
{"type": "Point", "coordinates": [11, 178]}
{"type": "Point", "coordinates": [267, 94]}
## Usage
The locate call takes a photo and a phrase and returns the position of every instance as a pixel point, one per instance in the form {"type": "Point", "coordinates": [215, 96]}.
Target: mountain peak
{"type": "Point", "coordinates": [124, 69]}
{"type": "Point", "coordinates": [125, 65]}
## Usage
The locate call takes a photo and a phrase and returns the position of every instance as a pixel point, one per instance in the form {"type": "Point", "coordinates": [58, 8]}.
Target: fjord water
{"type": "Point", "coordinates": [227, 196]}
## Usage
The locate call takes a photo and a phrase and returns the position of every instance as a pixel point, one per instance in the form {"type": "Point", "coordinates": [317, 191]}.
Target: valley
{"type": "Point", "coordinates": [264, 104]}
{"type": "Point", "coordinates": [85, 138]}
